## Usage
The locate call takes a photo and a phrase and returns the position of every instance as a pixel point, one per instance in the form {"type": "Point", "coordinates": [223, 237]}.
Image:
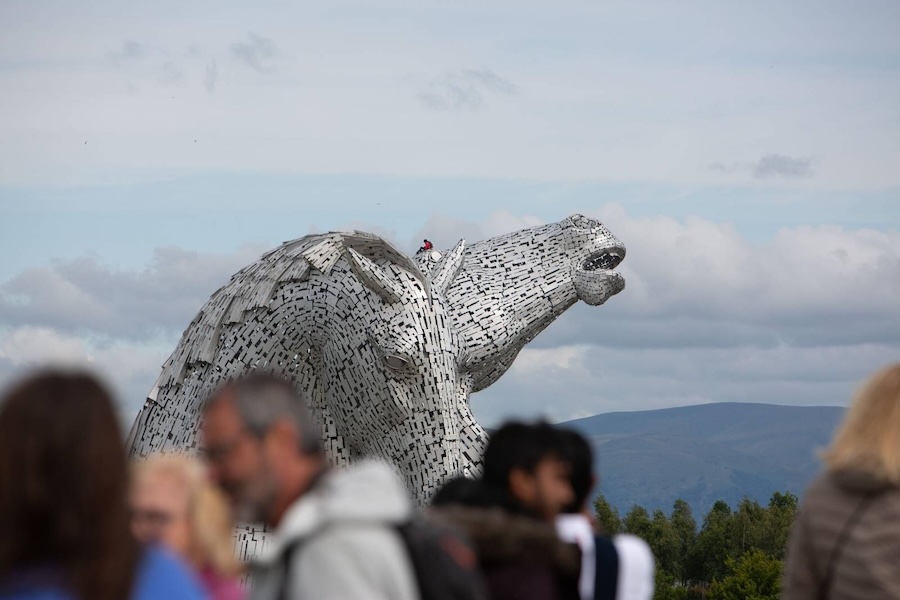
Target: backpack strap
{"type": "Point", "coordinates": [286, 557]}
{"type": "Point", "coordinates": [837, 550]}
{"type": "Point", "coordinates": [606, 573]}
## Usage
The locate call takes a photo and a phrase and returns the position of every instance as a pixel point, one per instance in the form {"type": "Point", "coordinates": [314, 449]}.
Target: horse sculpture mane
{"type": "Point", "coordinates": [252, 288]}
{"type": "Point", "coordinates": [385, 349]}
{"type": "Point", "coordinates": [285, 312]}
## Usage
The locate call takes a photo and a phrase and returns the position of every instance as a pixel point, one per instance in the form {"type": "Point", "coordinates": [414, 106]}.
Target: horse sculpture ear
{"type": "Point", "coordinates": [374, 277]}
{"type": "Point", "coordinates": [448, 268]}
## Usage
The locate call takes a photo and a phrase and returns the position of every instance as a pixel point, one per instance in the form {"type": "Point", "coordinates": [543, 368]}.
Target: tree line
{"type": "Point", "coordinates": [734, 555]}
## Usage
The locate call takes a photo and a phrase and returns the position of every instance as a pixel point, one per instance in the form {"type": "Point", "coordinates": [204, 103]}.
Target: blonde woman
{"type": "Point", "coordinates": [173, 504]}
{"type": "Point", "coordinates": [846, 540]}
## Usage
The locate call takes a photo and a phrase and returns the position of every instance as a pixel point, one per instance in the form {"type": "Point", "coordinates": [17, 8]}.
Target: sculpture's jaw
{"type": "Point", "coordinates": [596, 287]}
{"type": "Point", "coordinates": [595, 278]}
{"type": "Point", "coordinates": [595, 253]}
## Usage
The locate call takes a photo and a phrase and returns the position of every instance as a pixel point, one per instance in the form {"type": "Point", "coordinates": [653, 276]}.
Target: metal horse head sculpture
{"type": "Point", "coordinates": [386, 349]}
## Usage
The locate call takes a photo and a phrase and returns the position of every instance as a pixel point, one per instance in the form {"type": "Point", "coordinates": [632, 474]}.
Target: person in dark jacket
{"type": "Point", "coordinates": [521, 557]}
{"type": "Point", "coordinates": [845, 542]}
{"type": "Point", "coordinates": [511, 512]}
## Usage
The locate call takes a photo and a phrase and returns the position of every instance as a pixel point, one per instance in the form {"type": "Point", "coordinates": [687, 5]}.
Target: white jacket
{"type": "Point", "coordinates": [345, 546]}
{"type": "Point", "coordinates": [636, 563]}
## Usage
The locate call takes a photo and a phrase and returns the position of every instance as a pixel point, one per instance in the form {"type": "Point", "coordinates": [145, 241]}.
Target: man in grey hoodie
{"type": "Point", "coordinates": [334, 531]}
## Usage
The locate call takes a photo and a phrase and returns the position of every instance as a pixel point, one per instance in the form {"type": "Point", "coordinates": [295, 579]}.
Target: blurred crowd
{"type": "Point", "coordinates": [77, 521]}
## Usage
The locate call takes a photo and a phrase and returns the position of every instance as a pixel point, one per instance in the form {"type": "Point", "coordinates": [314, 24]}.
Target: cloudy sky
{"type": "Point", "coordinates": [747, 153]}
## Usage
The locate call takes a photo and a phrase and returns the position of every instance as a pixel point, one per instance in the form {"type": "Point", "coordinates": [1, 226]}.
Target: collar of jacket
{"type": "Point", "coordinates": [368, 492]}
{"type": "Point", "coordinates": [860, 480]}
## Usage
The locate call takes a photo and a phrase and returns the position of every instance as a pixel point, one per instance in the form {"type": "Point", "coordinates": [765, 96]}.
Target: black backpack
{"type": "Point", "coordinates": [606, 573]}
{"type": "Point", "coordinates": [442, 559]}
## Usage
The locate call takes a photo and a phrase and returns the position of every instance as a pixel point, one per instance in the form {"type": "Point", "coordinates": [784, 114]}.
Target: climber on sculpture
{"type": "Point", "coordinates": [426, 246]}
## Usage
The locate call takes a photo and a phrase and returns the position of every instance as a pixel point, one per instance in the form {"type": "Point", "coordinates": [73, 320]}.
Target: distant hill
{"type": "Point", "coordinates": [706, 452]}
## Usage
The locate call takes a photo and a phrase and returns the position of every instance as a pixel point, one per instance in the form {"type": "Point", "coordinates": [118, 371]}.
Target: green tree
{"type": "Point", "coordinates": [685, 528]}
{"type": "Point", "coordinates": [754, 576]}
{"type": "Point", "coordinates": [712, 547]}
{"type": "Point", "coordinates": [749, 528]}
{"type": "Point", "coordinates": [637, 522]}
{"type": "Point", "coordinates": [735, 554]}
{"type": "Point", "coordinates": [665, 588]}
{"type": "Point", "coordinates": [664, 543]}
{"type": "Point", "coordinates": [607, 516]}
{"type": "Point", "coordinates": [786, 501]}
{"type": "Point", "coordinates": [660, 536]}
{"type": "Point", "coordinates": [781, 513]}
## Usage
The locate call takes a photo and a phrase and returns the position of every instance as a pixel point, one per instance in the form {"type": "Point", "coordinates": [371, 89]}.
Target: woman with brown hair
{"type": "Point", "coordinates": [174, 503]}
{"type": "Point", "coordinates": [845, 542]}
{"type": "Point", "coordinates": [64, 527]}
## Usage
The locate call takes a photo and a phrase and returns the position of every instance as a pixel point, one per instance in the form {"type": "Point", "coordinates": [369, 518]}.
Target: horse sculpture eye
{"type": "Point", "coordinates": [395, 363]}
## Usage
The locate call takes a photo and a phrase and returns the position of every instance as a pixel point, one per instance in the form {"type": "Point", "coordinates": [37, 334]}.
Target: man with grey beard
{"type": "Point", "coordinates": [334, 532]}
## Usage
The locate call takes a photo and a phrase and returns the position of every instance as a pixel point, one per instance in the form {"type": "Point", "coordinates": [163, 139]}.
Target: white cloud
{"type": "Point", "coordinates": [83, 295]}
{"type": "Point", "coordinates": [130, 50]}
{"type": "Point", "coordinates": [171, 73]}
{"type": "Point", "coordinates": [503, 221]}
{"type": "Point", "coordinates": [130, 368]}
{"type": "Point", "coordinates": [29, 346]}
{"type": "Point", "coordinates": [257, 52]}
{"type": "Point", "coordinates": [547, 361]}
{"type": "Point", "coordinates": [211, 76]}
{"type": "Point", "coordinates": [777, 165]}
{"type": "Point", "coordinates": [770, 165]}
{"type": "Point", "coordinates": [446, 231]}
{"type": "Point", "coordinates": [701, 268]}
{"type": "Point", "coordinates": [465, 89]}
{"type": "Point", "coordinates": [610, 379]}
{"type": "Point", "coordinates": [613, 92]}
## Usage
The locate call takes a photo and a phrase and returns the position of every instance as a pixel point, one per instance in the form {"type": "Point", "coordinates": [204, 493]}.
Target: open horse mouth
{"type": "Point", "coordinates": [606, 259]}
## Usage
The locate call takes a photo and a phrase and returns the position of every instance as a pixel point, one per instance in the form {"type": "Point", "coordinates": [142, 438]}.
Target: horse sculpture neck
{"type": "Point", "coordinates": [513, 286]}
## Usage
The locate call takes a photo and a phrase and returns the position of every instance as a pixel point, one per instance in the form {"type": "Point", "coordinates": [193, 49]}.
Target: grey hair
{"type": "Point", "coordinates": [262, 399]}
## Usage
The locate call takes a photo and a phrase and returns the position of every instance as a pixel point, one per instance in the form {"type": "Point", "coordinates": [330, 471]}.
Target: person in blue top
{"type": "Point", "coordinates": [64, 522]}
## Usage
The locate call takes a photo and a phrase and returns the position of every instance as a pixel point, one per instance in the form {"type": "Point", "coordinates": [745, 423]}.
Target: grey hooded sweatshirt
{"type": "Point", "coordinates": [344, 542]}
